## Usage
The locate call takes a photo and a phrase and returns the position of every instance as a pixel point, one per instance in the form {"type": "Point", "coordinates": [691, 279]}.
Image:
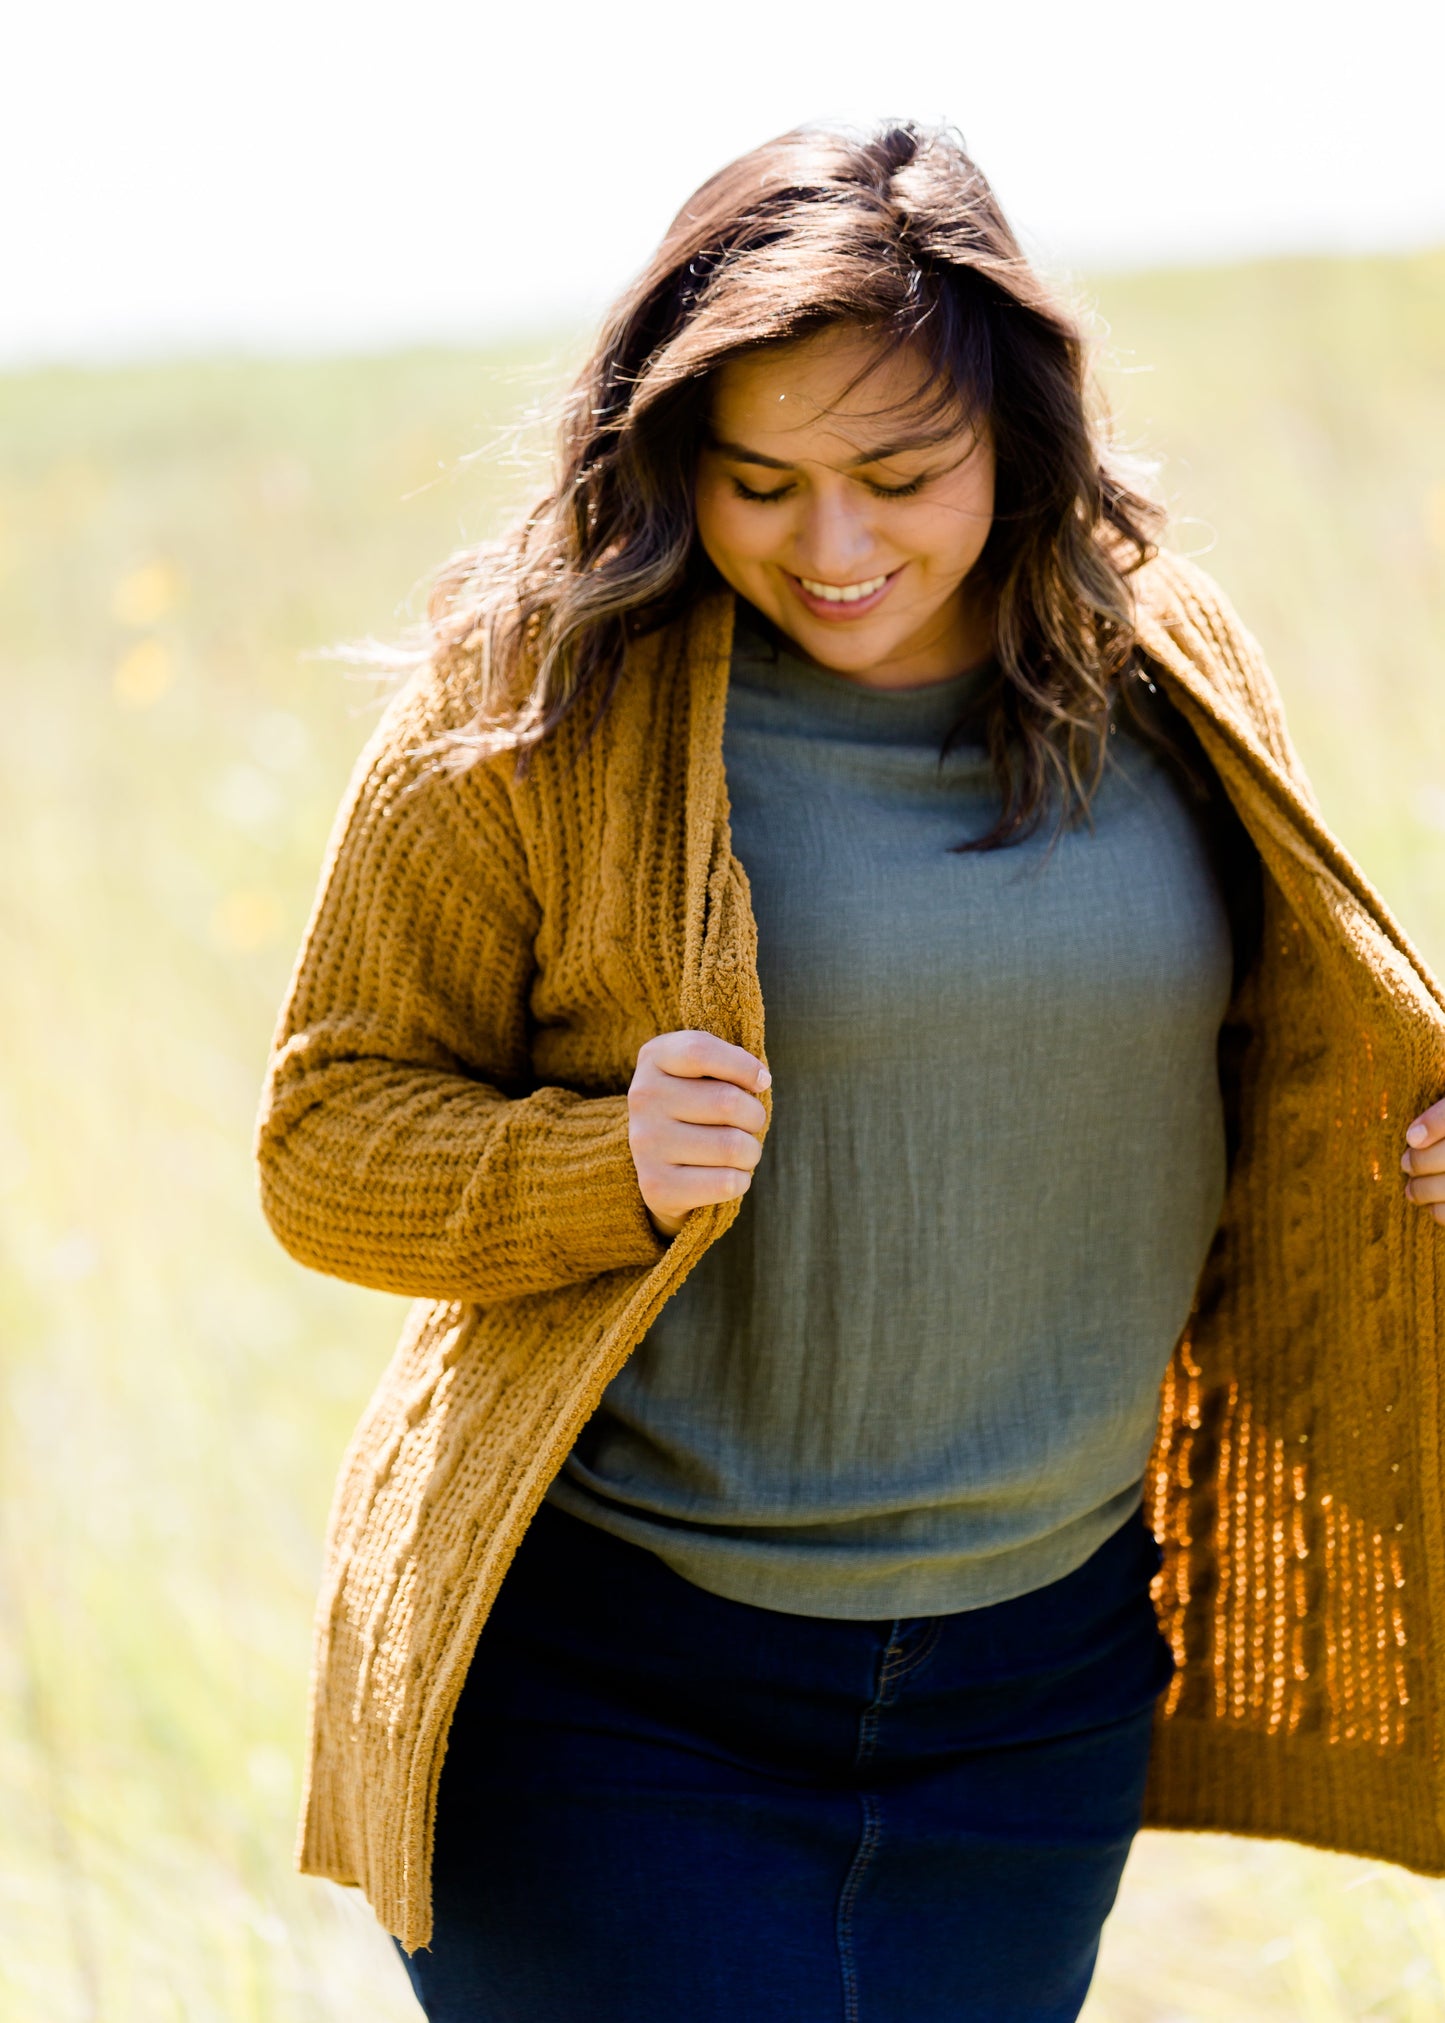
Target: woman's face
{"type": "Point", "coordinates": [847, 523]}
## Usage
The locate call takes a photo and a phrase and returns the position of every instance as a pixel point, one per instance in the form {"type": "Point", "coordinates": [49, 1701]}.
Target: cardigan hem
{"type": "Point", "coordinates": [1343, 1798]}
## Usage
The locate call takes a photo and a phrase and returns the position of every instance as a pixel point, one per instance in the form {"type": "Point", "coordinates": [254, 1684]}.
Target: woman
{"type": "Point", "coordinates": [860, 1570]}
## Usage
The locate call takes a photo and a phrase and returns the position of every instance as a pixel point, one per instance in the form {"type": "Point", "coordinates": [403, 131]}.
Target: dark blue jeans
{"type": "Point", "coordinates": [662, 1807]}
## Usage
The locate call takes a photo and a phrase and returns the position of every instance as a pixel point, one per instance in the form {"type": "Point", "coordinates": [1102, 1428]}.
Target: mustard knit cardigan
{"type": "Point", "coordinates": [445, 1117]}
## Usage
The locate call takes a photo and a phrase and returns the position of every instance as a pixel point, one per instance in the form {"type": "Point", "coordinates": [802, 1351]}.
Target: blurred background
{"type": "Point", "coordinates": [281, 293]}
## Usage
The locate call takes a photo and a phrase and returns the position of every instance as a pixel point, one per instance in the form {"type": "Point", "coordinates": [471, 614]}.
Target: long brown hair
{"type": "Point", "coordinates": [900, 233]}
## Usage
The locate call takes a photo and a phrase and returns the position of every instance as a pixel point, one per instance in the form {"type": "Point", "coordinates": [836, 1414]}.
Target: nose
{"type": "Point", "coordinates": [835, 542]}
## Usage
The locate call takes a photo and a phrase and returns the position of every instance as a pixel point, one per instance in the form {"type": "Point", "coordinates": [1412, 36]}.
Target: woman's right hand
{"type": "Point", "coordinates": [693, 1123]}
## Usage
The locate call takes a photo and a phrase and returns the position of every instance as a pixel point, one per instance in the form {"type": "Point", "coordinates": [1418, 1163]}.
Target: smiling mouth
{"type": "Point", "coordinates": [841, 600]}
{"type": "Point", "coordinates": [843, 593]}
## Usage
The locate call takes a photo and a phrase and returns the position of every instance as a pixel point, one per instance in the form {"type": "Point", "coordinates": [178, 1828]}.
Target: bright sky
{"type": "Point", "coordinates": [298, 174]}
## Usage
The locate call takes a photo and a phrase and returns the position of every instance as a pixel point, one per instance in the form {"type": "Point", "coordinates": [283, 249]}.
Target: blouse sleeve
{"type": "Point", "coordinates": [401, 1141]}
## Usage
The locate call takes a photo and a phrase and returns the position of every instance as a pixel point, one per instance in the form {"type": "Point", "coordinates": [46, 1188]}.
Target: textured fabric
{"type": "Point", "coordinates": [445, 1116]}
{"type": "Point", "coordinates": [658, 1805]}
{"type": "Point", "coordinates": [921, 1371]}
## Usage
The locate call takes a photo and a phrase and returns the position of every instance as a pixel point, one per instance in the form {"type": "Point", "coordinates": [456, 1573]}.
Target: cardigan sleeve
{"type": "Point", "coordinates": [401, 1142]}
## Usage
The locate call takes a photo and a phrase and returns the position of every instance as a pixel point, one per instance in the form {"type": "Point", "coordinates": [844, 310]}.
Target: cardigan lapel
{"type": "Point", "coordinates": [1271, 806]}
{"type": "Point", "coordinates": [705, 656]}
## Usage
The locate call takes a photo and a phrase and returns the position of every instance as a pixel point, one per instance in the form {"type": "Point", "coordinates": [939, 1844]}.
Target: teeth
{"type": "Point", "coordinates": [848, 593]}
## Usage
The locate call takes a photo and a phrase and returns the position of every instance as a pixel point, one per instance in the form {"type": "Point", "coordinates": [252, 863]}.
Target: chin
{"type": "Point", "coordinates": [860, 649]}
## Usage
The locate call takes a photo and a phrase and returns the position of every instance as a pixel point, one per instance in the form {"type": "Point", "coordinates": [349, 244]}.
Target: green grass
{"type": "Point", "coordinates": [176, 1395]}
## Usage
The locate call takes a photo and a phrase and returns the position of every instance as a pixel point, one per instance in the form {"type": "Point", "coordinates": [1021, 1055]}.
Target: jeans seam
{"type": "Point", "coordinates": [868, 1720]}
{"type": "Point", "coordinates": [898, 1663]}
{"type": "Point", "coordinates": [868, 1839]}
{"type": "Point", "coordinates": [927, 1643]}
{"type": "Point", "coordinates": [894, 1664]}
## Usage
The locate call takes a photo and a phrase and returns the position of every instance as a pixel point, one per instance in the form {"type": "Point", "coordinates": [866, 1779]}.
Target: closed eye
{"type": "Point", "coordinates": [879, 491]}
{"type": "Point", "coordinates": [746, 492]}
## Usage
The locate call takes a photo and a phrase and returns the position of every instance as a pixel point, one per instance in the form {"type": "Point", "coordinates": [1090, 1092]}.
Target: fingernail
{"type": "Point", "coordinates": [1416, 1135]}
{"type": "Point", "coordinates": [1404, 1162]}
{"type": "Point", "coordinates": [764, 1081]}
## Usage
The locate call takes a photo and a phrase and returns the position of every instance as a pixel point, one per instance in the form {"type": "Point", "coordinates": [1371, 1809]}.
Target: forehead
{"type": "Point", "coordinates": [842, 385]}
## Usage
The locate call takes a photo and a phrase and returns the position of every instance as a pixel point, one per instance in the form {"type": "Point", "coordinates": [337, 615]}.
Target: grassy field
{"type": "Point", "coordinates": [176, 1394]}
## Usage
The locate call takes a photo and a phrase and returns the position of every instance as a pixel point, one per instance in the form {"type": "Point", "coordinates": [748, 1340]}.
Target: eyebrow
{"type": "Point", "coordinates": [740, 453]}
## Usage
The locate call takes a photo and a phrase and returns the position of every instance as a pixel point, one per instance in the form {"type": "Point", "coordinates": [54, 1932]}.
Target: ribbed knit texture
{"type": "Point", "coordinates": [445, 1117]}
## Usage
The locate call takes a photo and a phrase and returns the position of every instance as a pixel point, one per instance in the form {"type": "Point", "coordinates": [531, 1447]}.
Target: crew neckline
{"type": "Point", "coordinates": [765, 660]}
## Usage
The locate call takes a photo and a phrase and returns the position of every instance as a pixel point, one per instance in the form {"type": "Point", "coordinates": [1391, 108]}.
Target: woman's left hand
{"type": "Point", "coordinates": [1425, 1160]}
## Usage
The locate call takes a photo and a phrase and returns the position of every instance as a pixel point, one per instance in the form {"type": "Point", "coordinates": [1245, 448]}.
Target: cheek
{"type": "Point", "coordinates": [730, 530]}
{"type": "Point", "coordinates": [954, 537]}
